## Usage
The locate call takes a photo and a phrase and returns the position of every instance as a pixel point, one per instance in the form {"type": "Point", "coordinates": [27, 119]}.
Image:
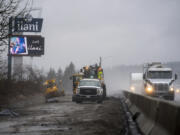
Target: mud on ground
{"type": "Point", "coordinates": [66, 118]}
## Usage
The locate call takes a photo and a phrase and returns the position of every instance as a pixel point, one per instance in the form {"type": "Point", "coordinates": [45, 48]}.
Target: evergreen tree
{"type": "Point", "coordinates": [59, 75]}
{"type": "Point", "coordinates": [51, 74]}
{"type": "Point", "coordinates": [69, 70]}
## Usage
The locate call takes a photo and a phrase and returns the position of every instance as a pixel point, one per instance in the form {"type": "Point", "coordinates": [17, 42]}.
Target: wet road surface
{"type": "Point", "coordinates": [66, 118]}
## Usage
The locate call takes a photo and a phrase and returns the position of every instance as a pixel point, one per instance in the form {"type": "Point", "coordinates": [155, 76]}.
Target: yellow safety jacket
{"type": "Point", "coordinates": [100, 75]}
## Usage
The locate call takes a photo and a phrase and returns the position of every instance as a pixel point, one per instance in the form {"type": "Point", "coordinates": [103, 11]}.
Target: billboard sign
{"type": "Point", "coordinates": [35, 45]}
{"type": "Point", "coordinates": [28, 25]}
{"type": "Point", "coordinates": [27, 45]}
{"type": "Point", "coordinates": [18, 46]}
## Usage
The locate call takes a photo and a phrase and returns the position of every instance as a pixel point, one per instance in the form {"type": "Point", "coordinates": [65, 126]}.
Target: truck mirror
{"type": "Point", "coordinates": [176, 76]}
{"type": "Point", "coordinates": [70, 77]}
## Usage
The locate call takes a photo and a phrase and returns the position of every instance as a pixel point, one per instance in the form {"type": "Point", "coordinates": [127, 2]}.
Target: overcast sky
{"type": "Point", "coordinates": [121, 31]}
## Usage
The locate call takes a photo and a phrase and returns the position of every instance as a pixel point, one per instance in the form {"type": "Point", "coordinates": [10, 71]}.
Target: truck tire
{"type": "Point", "coordinates": [171, 98]}
{"type": "Point", "coordinates": [100, 101]}
{"type": "Point", "coordinates": [104, 91]}
{"type": "Point", "coordinates": [73, 99]}
{"type": "Point", "coordinates": [78, 101]}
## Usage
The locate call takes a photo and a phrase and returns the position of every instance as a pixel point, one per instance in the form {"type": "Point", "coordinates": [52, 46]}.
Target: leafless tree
{"type": "Point", "coordinates": [11, 8]}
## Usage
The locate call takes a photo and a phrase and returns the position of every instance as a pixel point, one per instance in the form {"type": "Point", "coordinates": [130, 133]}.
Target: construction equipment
{"type": "Point", "coordinates": [95, 72]}
{"type": "Point", "coordinates": [76, 79]}
{"type": "Point", "coordinates": [51, 89]}
{"type": "Point", "coordinates": [88, 72]}
{"type": "Point", "coordinates": [158, 81]}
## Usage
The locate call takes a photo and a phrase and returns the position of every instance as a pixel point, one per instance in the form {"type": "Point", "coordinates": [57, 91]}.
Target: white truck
{"type": "Point", "coordinates": [136, 82]}
{"type": "Point", "coordinates": [158, 81]}
{"type": "Point", "coordinates": [89, 90]}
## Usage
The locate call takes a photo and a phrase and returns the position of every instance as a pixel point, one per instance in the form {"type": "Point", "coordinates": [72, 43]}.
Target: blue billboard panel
{"type": "Point", "coordinates": [27, 45]}
{"type": "Point", "coordinates": [18, 46]}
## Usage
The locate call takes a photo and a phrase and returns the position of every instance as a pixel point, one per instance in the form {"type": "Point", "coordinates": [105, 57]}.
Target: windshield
{"type": "Point", "coordinates": [160, 74]}
{"type": "Point", "coordinates": [90, 83]}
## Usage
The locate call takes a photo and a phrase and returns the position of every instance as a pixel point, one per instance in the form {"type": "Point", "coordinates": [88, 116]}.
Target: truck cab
{"type": "Point", "coordinates": [158, 81]}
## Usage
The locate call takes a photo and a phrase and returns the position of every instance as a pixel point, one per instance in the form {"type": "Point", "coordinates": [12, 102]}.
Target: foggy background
{"type": "Point", "coordinates": [128, 32]}
{"type": "Point", "coordinates": [124, 33]}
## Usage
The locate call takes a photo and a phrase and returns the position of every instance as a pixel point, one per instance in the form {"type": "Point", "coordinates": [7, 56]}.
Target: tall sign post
{"type": "Point", "coordinates": [24, 45]}
{"type": "Point", "coordinates": [9, 56]}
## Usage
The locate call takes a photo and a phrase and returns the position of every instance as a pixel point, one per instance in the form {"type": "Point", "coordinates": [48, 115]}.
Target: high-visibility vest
{"type": "Point", "coordinates": [100, 75]}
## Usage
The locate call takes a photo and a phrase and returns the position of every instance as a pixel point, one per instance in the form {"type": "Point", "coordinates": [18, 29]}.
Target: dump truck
{"type": "Point", "coordinates": [136, 82]}
{"type": "Point", "coordinates": [158, 80]}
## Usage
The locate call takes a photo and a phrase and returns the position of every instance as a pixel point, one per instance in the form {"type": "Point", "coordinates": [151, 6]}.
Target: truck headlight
{"type": "Point", "coordinates": [178, 90]}
{"type": "Point", "coordinates": [132, 88]}
{"type": "Point", "coordinates": [171, 89]}
{"type": "Point", "coordinates": [149, 89]}
{"type": "Point", "coordinates": [99, 91]}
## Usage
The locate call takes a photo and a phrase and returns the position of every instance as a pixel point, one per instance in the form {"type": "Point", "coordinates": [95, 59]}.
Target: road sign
{"type": "Point", "coordinates": [28, 25]}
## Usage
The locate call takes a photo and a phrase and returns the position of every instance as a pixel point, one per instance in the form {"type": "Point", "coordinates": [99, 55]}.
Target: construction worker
{"type": "Point", "coordinates": [100, 72]}
{"type": "Point", "coordinates": [86, 72]}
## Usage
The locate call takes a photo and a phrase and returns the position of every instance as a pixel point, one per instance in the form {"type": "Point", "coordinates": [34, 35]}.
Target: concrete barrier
{"type": "Point", "coordinates": [157, 117]}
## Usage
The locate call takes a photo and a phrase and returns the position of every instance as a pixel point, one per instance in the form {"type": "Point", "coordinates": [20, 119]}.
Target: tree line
{"type": "Point", "coordinates": [21, 8]}
{"type": "Point", "coordinates": [63, 76]}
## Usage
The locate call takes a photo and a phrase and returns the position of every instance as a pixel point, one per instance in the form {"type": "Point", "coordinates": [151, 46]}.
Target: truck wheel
{"type": "Point", "coordinates": [73, 99]}
{"type": "Point", "coordinates": [99, 101]}
{"type": "Point", "coordinates": [46, 99]}
{"type": "Point", "coordinates": [104, 91]}
{"type": "Point", "coordinates": [78, 101]}
{"type": "Point", "coordinates": [171, 98]}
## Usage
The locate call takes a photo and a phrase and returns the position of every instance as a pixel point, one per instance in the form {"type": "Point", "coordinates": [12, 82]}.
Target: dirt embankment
{"type": "Point", "coordinates": [21, 92]}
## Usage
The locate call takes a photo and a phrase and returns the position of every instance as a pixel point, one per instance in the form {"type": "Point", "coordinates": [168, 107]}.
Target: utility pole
{"type": "Point", "coordinates": [100, 62]}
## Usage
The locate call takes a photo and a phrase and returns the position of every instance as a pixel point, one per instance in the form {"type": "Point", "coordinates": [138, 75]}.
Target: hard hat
{"type": "Point", "coordinates": [86, 67]}
{"type": "Point", "coordinates": [99, 69]}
